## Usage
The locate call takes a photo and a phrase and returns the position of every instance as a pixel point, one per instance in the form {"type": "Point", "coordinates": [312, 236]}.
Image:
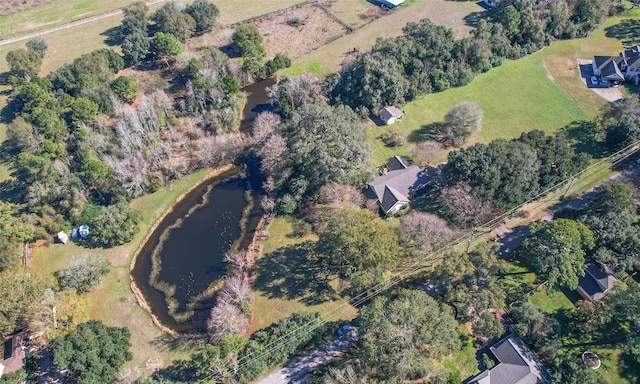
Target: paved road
{"type": "Point", "coordinates": [71, 24]}
{"type": "Point", "coordinates": [297, 371]}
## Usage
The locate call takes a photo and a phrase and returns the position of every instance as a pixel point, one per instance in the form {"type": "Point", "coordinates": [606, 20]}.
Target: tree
{"type": "Point", "coordinates": [487, 326]}
{"type": "Point", "coordinates": [56, 313]}
{"type": "Point", "coordinates": [510, 19]}
{"type": "Point", "coordinates": [135, 18]}
{"type": "Point", "coordinates": [359, 244]}
{"type": "Point", "coordinates": [17, 377]}
{"type": "Point", "coordinates": [24, 63]}
{"type": "Point", "coordinates": [83, 111]}
{"type": "Point", "coordinates": [556, 249]}
{"type": "Point", "coordinates": [226, 319]}
{"type": "Point", "coordinates": [427, 153]}
{"type": "Point", "coordinates": [115, 225]}
{"type": "Point", "coordinates": [532, 325]}
{"type": "Point", "coordinates": [402, 335]}
{"type": "Point", "coordinates": [461, 121]}
{"type": "Point", "coordinates": [94, 64]}
{"type": "Point", "coordinates": [621, 122]}
{"type": "Point", "coordinates": [372, 81]}
{"type": "Point", "coordinates": [247, 42]}
{"type": "Point", "coordinates": [273, 155]}
{"type": "Point", "coordinates": [166, 46]}
{"type": "Point", "coordinates": [38, 45]}
{"type": "Point", "coordinates": [294, 92]}
{"type": "Point", "coordinates": [21, 136]}
{"type": "Point", "coordinates": [135, 48]}
{"type": "Point", "coordinates": [462, 209]}
{"type": "Point", "coordinates": [423, 233]}
{"type": "Point", "coordinates": [19, 288]}
{"type": "Point", "coordinates": [84, 272]}
{"type": "Point", "coordinates": [204, 13]}
{"type": "Point", "coordinates": [589, 319]}
{"type": "Point", "coordinates": [326, 144]}
{"type": "Point", "coordinates": [172, 20]}
{"type": "Point", "coordinates": [612, 198]}
{"type": "Point", "coordinates": [94, 353]}
{"type": "Point", "coordinates": [125, 88]}
{"type": "Point", "coordinates": [572, 370]}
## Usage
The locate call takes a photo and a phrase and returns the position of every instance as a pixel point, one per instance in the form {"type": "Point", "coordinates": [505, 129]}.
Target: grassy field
{"type": "Point", "coordinates": [112, 301]}
{"type": "Point", "coordinates": [53, 14]}
{"type": "Point", "coordinates": [515, 97]}
{"type": "Point", "coordinates": [453, 14]}
{"type": "Point", "coordinates": [286, 283]}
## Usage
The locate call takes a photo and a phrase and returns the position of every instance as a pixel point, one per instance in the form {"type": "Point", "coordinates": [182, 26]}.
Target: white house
{"type": "Point", "coordinates": [390, 115]}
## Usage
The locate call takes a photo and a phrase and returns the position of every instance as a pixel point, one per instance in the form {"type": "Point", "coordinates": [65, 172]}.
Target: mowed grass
{"type": "Point", "coordinates": [515, 97]}
{"type": "Point", "coordinates": [112, 301]}
{"type": "Point", "coordinates": [53, 14]}
{"type": "Point", "coordinates": [327, 59]}
{"type": "Point", "coordinates": [268, 307]}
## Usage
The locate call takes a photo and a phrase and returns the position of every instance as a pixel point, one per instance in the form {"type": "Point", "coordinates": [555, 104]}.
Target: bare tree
{"type": "Point", "coordinates": [226, 320]}
{"type": "Point", "coordinates": [463, 209]}
{"type": "Point", "coordinates": [427, 153]}
{"type": "Point", "coordinates": [273, 155]}
{"type": "Point", "coordinates": [423, 233]}
{"type": "Point", "coordinates": [264, 125]}
{"type": "Point", "coordinates": [337, 194]}
{"type": "Point", "coordinates": [236, 262]}
{"type": "Point", "coordinates": [292, 93]}
{"type": "Point", "coordinates": [236, 291]}
{"type": "Point", "coordinates": [346, 375]}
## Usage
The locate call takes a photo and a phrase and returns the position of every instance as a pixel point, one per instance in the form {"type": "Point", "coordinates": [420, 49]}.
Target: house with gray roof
{"type": "Point", "coordinates": [595, 283]}
{"type": "Point", "coordinates": [390, 115]}
{"type": "Point", "coordinates": [516, 364]}
{"type": "Point", "coordinates": [397, 184]}
{"type": "Point", "coordinates": [616, 69]}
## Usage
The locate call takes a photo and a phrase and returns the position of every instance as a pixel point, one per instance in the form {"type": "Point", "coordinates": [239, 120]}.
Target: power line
{"type": "Point", "coordinates": [439, 254]}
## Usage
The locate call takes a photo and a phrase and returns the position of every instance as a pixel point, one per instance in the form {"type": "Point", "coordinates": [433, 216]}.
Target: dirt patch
{"type": "Point", "coordinates": [294, 31]}
{"type": "Point", "coordinates": [8, 7]}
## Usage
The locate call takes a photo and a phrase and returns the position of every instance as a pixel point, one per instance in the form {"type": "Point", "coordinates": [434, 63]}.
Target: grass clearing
{"type": "Point", "coordinates": [512, 103]}
{"type": "Point", "coordinates": [53, 14]}
{"type": "Point", "coordinates": [464, 363]}
{"type": "Point", "coordinates": [287, 283]}
{"type": "Point", "coordinates": [453, 14]}
{"type": "Point", "coordinates": [112, 301]}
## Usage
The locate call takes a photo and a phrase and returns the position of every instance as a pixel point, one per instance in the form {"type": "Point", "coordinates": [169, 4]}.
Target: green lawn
{"type": "Point", "coordinates": [286, 283]}
{"type": "Point", "coordinates": [515, 97]}
{"type": "Point", "coordinates": [463, 364]}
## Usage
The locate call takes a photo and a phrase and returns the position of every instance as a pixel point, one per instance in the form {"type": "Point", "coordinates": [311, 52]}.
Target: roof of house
{"type": "Point", "coordinates": [608, 66]}
{"type": "Point", "coordinates": [388, 112]}
{"type": "Point", "coordinates": [632, 57]}
{"type": "Point", "coordinates": [398, 184]}
{"type": "Point", "coordinates": [516, 365]}
{"type": "Point", "coordinates": [595, 283]}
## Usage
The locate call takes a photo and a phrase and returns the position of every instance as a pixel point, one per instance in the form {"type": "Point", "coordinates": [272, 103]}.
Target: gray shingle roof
{"type": "Point", "coordinates": [517, 365]}
{"type": "Point", "coordinates": [398, 184]}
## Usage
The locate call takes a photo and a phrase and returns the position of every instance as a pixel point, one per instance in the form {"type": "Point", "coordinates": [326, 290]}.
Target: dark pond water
{"type": "Point", "coordinates": [191, 240]}
{"type": "Point", "coordinates": [257, 101]}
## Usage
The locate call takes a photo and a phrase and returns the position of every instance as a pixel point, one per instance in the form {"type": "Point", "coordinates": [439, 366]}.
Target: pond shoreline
{"type": "Point", "coordinates": [134, 288]}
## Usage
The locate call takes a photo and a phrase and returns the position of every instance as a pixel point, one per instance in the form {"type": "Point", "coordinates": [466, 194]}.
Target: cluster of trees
{"type": "Point", "coordinates": [247, 42]}
{"type": "Point", "coordinates": [427, 58]}
{"type": "Point", "coordinates": [318, 144]}
{"type": "Point", "coordinates": [508, 173]}
{"type": "Point", "coordinates": [93, 353]}
{"type": "Point", "coordinates": [174, 26]}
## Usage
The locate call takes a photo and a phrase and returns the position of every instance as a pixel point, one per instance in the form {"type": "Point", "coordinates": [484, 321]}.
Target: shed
{"type": "Point", "coordinates": [390, 115]}
{"type": "Point", "coordinates": [62, 237]}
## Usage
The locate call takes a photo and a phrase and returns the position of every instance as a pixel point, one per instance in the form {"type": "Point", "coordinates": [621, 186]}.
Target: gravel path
{"type": "Point", "coordinates": [71, 24]}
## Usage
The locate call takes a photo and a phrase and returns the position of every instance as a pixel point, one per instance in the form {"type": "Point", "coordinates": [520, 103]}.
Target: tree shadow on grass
{"type": "Point", "coordinates": [292, 273]}
{"type": "Point", "coordinates": [584, 135]}
{"type": "Point", "coordinates": [629, 368]}
{"type": "Point", "coordinates": [473, 19]}
{"type": "Point", "coordinates": [113, 36]}
{"type": "Point", "coordinates": [627, 31]}
{"type": "Point", "coordinates": [425, 133]}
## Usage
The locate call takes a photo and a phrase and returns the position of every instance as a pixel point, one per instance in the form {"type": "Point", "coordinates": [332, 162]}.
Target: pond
{"type": "Point", "coordinates": [181, 265]}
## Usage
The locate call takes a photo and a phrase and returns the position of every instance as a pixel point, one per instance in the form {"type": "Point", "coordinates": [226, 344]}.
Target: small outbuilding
{"type": "Point", "coordinates": [390, 115]}
{"type": "Point", "coordinates": [63, 237]}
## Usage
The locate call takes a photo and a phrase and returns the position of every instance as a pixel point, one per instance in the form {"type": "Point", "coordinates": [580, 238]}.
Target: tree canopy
{"type": "Point", "coordinates": [403, 334]}
{"type": "Point", "coordinates": [204, 13]}
{"type": "Point", "coordinates": [114, 225]}
{"type": "Point", "coordinates": [94, 353]}
{"type": "Point", "coordinates": [557, 249]}
{"type": "Point", "coordinates": [359, 244]}
{"type": "Point", "coordinates": [24, 62]}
